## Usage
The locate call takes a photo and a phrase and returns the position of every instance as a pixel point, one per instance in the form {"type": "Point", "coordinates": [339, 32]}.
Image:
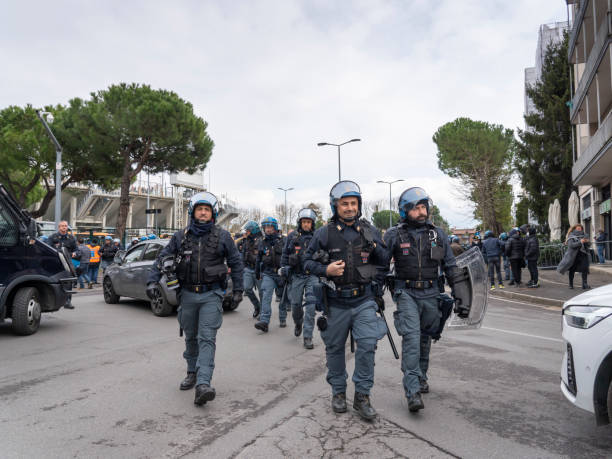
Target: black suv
{"type": "Point", "coordinates": [34, 277]}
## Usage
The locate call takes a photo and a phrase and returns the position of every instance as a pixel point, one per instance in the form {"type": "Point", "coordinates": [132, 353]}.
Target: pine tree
{"type": "Point", "coordinates": [544, 154]}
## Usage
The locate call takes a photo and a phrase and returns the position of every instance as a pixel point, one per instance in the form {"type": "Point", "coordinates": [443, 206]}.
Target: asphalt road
{"type": "Point", "coordinates": [102, 381]}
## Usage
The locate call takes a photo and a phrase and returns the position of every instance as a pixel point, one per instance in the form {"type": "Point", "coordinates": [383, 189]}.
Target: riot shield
{"type": "Point", "coordinates": [475, 269]}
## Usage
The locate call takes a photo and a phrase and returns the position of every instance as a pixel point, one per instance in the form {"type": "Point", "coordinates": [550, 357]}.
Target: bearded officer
{"type": "Point", "coordinates": [301, 282]}
{"type": "Point", "coordinates": [347, 251]}
{"type": "Point", "coordinates": [200, 252]}
{"type": "Point", "coordinates": [419, 250]}
{"type": "Point", "coordinates": [248, 246]}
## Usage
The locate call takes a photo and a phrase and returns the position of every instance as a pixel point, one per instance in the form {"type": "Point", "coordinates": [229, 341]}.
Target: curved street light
{"type": "Point", "coordinates": [285, 190]}
{"type": "Point", "coordinates": [390, 211]}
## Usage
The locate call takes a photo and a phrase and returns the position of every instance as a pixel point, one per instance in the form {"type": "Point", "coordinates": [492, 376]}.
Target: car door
{"type": "Point", "coordinates": [142, 268]}
{"type": "Point", "coordinates": [125, 284]}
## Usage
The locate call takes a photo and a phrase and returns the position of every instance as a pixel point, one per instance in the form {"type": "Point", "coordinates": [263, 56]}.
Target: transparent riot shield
{"type": "Point", "coordinates": [473, 264]}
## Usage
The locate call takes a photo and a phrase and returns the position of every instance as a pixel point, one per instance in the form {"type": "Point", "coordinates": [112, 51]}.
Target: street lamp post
{"type": "Point", "coordinates": [58, 164]}
{"type": "Point", "coordinates": [286, 212]}
{"type": "Point", "coordinates": [390, 211]}
{"type": "Point", "coordinates": [320, 144]}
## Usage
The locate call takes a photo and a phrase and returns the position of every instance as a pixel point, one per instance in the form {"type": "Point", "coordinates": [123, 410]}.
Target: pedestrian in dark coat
{"type": "Point", "coordinates": [515, 250]}
{"type": "Point", "coordinates": [576, 259]}
{"type": "Point", "coordinates": [532, 254]}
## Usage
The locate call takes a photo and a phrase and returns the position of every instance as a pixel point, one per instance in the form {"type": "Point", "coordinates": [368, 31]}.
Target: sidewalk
{"type": "Point", "coordinates": [554, 288]}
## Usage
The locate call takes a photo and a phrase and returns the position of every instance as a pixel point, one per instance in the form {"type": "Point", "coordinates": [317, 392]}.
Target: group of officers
{"type": "Point", "coordinates": [341, 270]}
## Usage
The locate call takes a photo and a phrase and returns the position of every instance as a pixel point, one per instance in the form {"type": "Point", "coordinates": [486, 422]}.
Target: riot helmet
{"type": "Point", "coordinates": [455, 239]}
{"type": "Point", "coordinates": [108, 238]}
{"type": "Point", "coordinates": [143, 238]}
{"type": "Point", "coordinates": [252, 227]}
{"type": "Point", "coordinates": [306, 213]}
{"type": "Point", "coordinates": [411, 198]}
{"type": "Point", "coordinates": [151, 236]}
{"type": "Point", "coordinates": [344, 189]}
{"type": "Point", "coordinates": [503, 236]}
{"type": "Point", "coordinates": [204, 198]}
{"type": "Point", "coordinates": [269, 221]}
{"type": "Point", "coordinates": [488, 233]}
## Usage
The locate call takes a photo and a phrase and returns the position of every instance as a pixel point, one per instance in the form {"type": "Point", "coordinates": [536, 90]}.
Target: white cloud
{"type": "Point", "coordinates": [274, 78]}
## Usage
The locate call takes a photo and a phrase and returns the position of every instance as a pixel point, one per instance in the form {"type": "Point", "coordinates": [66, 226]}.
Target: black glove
{"type": "Point", "coordinates": [236, 297]}
{"type": "Point", "coordinates": [151, 290]}
{"type": "Point", "coordinates": [380, 302]}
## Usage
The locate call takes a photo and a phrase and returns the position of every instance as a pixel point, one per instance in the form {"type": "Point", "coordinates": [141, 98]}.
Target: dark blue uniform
{"type": "Point", "coordinates": [200, 274]}
{"type": "Point", "coordinates": [266, 268]}
{"type": "Point", "coordinates": [417, 299]}
{"type": "Point", "coordinates": [351, 305]}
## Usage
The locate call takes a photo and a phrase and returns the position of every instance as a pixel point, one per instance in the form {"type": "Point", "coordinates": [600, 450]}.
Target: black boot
{"type": "Point", "coordinates": [262, 326]}
{"type": "Point", "coordinates": [297, 331]}
{"type": "Point", "coordinates": [571, 281]}
{"type": "Point", "coordinates": [339, 403]}
{"type": "Point", "coordinates": [585, 286]}
{"type": "Point", "coordinates": [308, 343]}
{"type": "Point", "coordinates": [189, 381]}
{"type": "Point", "coordinates": [415, 403]}
{"type": "Point", "coordinates": [282, 324]}
{"type": "Point", "coordinates": [424, 386]}
{"type": "Point", "coordinates": [203, 393]}
{"type": "Point", "coordinates": [256, 312]}
{"type": "Point", "coordinates": [361, 404]}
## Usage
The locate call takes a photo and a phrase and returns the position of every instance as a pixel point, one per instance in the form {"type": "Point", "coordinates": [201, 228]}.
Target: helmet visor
{"type": "Point", "coordinates": [204, 198]}
{"type": "Point", "coordinates": [307, 213]}
{"type": "Point", "coordinates": [412, 197]}
{"type": "Point", "coordinates": [344, 189]}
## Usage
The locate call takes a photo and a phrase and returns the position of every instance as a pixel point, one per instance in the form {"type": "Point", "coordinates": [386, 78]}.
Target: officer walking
{"type": "Point", "coordinates": [200, 251]}
{"type": "Point", "coordinates": [248, 246]}
{"type": "Point", "coordinates": [515, 251]}
{"type": "Point", "coordinates": [107, 253]}
{"type": "Point", "coordinates": [266, 269]}
{"type": "Point", "coordinates": [349, 252]}
{"type": "Point", "coordinates": [301, 282]}
{"type": "Point", "coordinates": [419, 249]}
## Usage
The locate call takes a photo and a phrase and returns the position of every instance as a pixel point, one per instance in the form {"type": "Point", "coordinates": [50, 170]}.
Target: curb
{"type": "Point", "coordinates": [539, 300]}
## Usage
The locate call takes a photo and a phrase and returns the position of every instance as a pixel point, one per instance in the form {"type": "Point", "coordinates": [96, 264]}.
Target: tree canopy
{"type": "Point", "coordinates": [380, 219]}
{"type": "Point", "coordinates": [479, 154]}
{"type": "Point", "coordinates": [544, 152]}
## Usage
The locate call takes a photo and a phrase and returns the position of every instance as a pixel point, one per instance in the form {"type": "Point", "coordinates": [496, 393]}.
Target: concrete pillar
{"type": "Point", "coordinates": [598, 102]}
{"type": "Point", "coordinates": [73, 211]}
{"type": "Point", "coordinates": [104, 220]}
{"type": "Point", "coordinates": [169, 216]}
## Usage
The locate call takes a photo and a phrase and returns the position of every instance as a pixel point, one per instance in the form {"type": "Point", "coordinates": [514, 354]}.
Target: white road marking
{"type": "Point", "coordinates": [533, 305]}
{"type": "Point", "coordinates": [557, 340]}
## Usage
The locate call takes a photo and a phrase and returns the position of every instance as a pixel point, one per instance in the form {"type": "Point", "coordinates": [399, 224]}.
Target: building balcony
{"type": "Point", "coordinates": [578, 19]}
{"type": "Point", "coordinates": [595, 58]}
{"type": "Point", "coordinates": [594, 165]}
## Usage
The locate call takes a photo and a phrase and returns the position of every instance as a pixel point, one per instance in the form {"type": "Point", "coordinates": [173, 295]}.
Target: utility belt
{"type": "Point", "coordinates": [416, 284]}
{"type": "Point", "coordinates": [201, 288]}
{"type": "Point", "coordinates": [349, 291]}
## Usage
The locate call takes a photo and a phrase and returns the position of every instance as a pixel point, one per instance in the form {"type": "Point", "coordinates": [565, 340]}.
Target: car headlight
{"type": "Point", "coordinates": [585, 316]}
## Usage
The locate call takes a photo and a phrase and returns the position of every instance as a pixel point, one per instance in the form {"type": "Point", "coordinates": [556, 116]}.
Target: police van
{"type": "Point", "coordinates": [34, 277]}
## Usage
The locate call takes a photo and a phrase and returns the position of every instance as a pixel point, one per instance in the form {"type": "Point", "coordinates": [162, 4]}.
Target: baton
{"type": "Point", "coordinates": [393, 348]}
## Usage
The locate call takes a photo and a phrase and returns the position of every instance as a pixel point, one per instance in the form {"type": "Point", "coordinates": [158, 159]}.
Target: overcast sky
{"type": "Point", "coordinates": [273, 78]}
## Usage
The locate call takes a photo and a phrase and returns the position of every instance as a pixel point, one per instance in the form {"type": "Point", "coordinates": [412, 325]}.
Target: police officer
{"type": "Point", "coordinates": [348, 251]}
{"type": "Point", "coordinates": [248, 246]}
{"type": "Point", "coordinates": [266, 269]}
{"type": "Point", "coordinates": [419, 250]}
{"type": "Point", "coordinates": [107, 253]}
{"type": "Point", "coordinates": [301, 282]}
{"type": "Point", "coordinates": [200, 251]}
{"type": "Point", "coordinates": [491, 252]}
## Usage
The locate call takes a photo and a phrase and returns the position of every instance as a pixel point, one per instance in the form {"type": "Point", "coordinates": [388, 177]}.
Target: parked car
{"type": "Point", "coordinates": [34, 277]}
{"type": "Point", "coordinates": [586, 371]}
{"type": "Point", "coordinates": [128, 275]}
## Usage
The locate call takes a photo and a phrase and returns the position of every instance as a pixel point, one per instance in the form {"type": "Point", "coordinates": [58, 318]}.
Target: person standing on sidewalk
{"type": "Point", "coordinates": [503, 240]}
{"type": "Point", "coordinates": [107, 253]}
{"type": "Point", "coordinates": [491, 252]}
{"type": "Point", "coordinates": [94, 261]}
{"type": "Point", "coordinates": [83, 253]}
{"type": "Point", "coordinates": [532, 254]}
{"type": "Point", "coordinates": [576, 259]}
{"type": "Point", "coordinates": [456, 245]}
{"type": "Point", "coordinates": [515, 250]}
{"type": "Point", "coordinates": [600, 243]}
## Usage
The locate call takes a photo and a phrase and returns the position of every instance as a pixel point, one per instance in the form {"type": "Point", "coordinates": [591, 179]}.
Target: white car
{"type": "Point", "coordinates": [586, 371]}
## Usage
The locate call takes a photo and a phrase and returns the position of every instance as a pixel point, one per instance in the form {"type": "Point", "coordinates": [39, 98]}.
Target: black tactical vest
{"type": "Point", "coordinates": [413, 255]}
{"type": "Point", "coordinates": [249, 248]}
{"type": "Point", "coordinates": [297, 249]}
{"type": "Point", "coordinates": [355, 254]}
{"type": "Point", "coordinates": [199, 261]}
{"type": "Point", "coordinates": [271, 258]}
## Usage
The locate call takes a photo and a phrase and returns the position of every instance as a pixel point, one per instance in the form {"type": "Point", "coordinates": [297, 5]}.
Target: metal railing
{"type": "Point", "coordinates": [552, 254]}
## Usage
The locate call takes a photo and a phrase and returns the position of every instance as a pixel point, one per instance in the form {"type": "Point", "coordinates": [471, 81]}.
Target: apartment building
{"type": "Point", "coordinates": [590, 58]}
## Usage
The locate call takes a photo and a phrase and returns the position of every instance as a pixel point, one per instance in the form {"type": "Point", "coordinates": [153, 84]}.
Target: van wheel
{"type": "Point", "coordinates": [610, 402]}
{"type": "Point", "coordinates": [159, 303]}
{"type": "Point", "coordinates": [109, 292]}
{"type": "Point", "coordinates": [26, 311]}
